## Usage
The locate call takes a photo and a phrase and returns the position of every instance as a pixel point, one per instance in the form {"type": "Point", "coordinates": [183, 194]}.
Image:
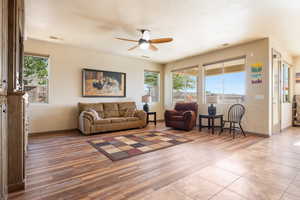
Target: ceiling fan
{"type": "Point", "coordinates": [145, 42]}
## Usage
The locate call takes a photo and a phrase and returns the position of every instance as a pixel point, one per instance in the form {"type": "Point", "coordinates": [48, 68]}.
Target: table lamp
{"type": "Point", "coordinates": [146, 99]}
{"type": "Point", "coordinates": [212, 110]}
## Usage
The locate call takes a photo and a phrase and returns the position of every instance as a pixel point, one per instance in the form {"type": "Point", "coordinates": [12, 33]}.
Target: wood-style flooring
{"type": "Point", "coordinates": [64, 166]}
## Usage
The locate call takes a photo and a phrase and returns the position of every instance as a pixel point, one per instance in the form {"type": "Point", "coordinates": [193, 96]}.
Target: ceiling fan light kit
{"type": "Point", "coordinates": [145, 43]}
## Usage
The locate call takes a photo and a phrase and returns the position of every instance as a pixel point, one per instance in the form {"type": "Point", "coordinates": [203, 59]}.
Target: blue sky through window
{"type": "Point", "coordinates": [234, 83]}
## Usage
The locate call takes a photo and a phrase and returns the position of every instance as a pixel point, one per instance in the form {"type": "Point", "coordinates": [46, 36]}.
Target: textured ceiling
{"type": "Point", "coordinates": [197, 26]}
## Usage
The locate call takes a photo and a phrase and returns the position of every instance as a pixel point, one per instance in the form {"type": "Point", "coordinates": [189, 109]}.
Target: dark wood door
{"type": "Point", "coordinates": [15, 136]}
{"type": "Point", "coordinates": [3, 151]}
{"type": "Point", "coordinates": [3, 99]}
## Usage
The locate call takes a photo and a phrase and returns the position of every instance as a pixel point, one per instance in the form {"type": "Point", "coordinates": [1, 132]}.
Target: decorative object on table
{"type": "Point", "coordinates": [125, 146]}
{"type": "Point", "coordinates": [256, 73]}
{"type": "Point", "coordinates": [146, 99]}
{"type": "Point", "coordinates": [211, 122]}
{"type": "Point", "coordinates": [212, 110]}
{"type": "Point", "coordinates": [297, 77]}
{"type": "Point", "coordinates": [184, 116]}
{"type": "Point", "coordinates": [235, 115]}
{"type": "Point", "coordinates": [154, 117]}
{"type": "Point", "coordinates": [98, 83]}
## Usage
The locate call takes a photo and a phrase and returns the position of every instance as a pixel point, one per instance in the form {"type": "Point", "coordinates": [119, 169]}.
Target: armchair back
{"type": "Point", "coordinates": [191, 106]}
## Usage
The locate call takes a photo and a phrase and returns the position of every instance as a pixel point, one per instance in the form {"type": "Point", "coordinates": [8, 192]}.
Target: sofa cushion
{"type": "Point", "coordinates": [102, 121]}
{"type": "Point", "coordinates": [130, 112]}
{"type": "Point", "coordinates": [98, 107]}
{"type": "Point", "coordinates": [124, 106]}
{"type": "Point", "coordinates": [117, 119]}
{"type": "Point", "coordinates": [132, 118]}
{"type": "Point", "coordinates": [111, 110]}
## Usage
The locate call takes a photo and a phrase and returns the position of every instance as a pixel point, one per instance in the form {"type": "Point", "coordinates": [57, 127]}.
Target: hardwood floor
{"type": "Point", "coordinates": [64, 166]}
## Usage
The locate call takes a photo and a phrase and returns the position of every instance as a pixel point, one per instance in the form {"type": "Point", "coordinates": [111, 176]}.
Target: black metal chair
{"type": "Point", "coordinates": [235, 115]}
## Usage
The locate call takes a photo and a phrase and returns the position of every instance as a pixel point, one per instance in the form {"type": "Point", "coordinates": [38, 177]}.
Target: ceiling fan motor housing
{"type": "Point", "coordinates": [141, 41]}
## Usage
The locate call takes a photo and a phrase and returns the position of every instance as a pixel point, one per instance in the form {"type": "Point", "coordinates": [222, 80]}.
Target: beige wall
{"type": "Point", "coordinates": [257, 96]}
{"type": "Point", "coordinates": [66, 63]}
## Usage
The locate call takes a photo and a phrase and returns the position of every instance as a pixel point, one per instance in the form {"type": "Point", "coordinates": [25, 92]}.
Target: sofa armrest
{"type": "Point", "coordinates": [88, 116]}
{"type": "Point", "coordinates": [187, 115]}
{"type": "Point", "coordinates": [142, 115]}
{"type": "Point", "coordinates": [86, 121]}
{"type": "Point", "coordinates": [190, 119]}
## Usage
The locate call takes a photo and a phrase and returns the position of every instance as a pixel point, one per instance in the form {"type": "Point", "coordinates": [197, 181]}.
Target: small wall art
{"type": "Point", "coordinates": [256, 73]}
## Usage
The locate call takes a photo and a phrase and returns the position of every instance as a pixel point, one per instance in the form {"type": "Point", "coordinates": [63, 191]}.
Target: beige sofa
{"type": "Point", "coordinates": [112, 117]}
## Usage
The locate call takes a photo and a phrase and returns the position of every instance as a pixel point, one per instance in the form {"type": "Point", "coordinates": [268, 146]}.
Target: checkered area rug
{"type": "Point", "coordinates": [125, 146]}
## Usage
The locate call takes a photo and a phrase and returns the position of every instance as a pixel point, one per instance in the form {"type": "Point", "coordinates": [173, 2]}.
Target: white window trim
{"type": "Point", "coordinates": [282, 82]}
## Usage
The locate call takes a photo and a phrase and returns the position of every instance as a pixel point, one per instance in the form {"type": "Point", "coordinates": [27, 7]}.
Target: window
{"type": "Point", "coordinates": [227, 80]}
{"type": "Point", "coordinates": [35, 78]}
{"type": "Point", "coordinates": [184, 85]}
{"type": "Point", "coordinates": [151, 85]}
{"type": "Point", "coordinates": [285, 82]}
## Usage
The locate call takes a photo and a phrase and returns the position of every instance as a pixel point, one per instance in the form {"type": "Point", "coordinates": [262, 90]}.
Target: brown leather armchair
{"type": "Point", "coordinates": [184, 116]}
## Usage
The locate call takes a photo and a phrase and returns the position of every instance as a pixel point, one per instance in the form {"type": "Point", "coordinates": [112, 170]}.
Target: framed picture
{"type": "Point", "coordinates": [98, 83]}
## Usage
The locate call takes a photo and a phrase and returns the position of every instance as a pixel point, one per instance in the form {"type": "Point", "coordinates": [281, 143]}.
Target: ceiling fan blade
{"type": "Point", "coordinates": [132, 48]}
{"type": "Point", "coordinates": [161, 40]}
{"type": "Point", "coordinates": [128, 40]}
{"type": "Point", "coordinates": [152, 47]}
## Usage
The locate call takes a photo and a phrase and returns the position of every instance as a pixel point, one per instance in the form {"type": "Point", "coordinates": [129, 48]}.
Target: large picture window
{"type": "Point", "coordinates": [184, 83]}
{"type": "Point", "coordinates": [285, 83]}
{"type": "Point", "coordinates": [227, 80]}
{"type": "Point", "coordinates": [151, 85]}
{"type": "Point", "coordinates": [35, 78]}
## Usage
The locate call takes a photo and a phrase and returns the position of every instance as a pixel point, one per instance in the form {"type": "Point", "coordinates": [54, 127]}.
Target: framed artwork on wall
{"type": "Point", "coordinates": [98, 83]}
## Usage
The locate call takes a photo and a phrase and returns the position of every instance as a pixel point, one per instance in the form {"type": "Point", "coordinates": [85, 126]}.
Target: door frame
{"type": "Point", "coordinates": [277, 129]}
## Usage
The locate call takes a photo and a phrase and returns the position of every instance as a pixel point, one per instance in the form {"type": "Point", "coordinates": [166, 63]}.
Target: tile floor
{"type": "Point", "coordinates": [266, 170]}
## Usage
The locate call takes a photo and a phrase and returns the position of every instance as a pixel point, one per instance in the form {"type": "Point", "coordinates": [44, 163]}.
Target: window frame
{"type": "Point", "coordinates": [222, 62]}
{"type": "Point", "coordinates": [48, 77]}
{"type": "Point", "coordinates": [158, 84]}
{"type": "Point", "coordinates": [284, 63]}
{"type": "Point", "coordinates": [197, 82]}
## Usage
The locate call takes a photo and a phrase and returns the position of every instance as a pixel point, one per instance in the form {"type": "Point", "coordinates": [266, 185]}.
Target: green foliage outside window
{"type": "Point", "coordinates": [182, 82]}
{"type": "Point", "coordinates": [151, 78]}
{"type": "Point", "coordinates": [35, 78]}
{"type": "Point", "coordinates": [35, 70]}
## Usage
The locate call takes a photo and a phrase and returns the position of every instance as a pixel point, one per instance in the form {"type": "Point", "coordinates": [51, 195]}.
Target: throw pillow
{"type": "Point", "coordinates": [94, 113]}
{"type": "Point", "coordinates": [130, 112]}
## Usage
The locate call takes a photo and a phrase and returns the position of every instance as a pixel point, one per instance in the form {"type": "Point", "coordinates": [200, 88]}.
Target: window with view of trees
{"type": "Point", "coordinates": [285, 83]}
{"type": "Point", "coordinates": [184, 83]}
{"type": "Point", "coordinates": [151, 85]}
{"type": "Point", "coordinates": [227, 80]}
{"type": "Point", "coordinates": [35, 78]}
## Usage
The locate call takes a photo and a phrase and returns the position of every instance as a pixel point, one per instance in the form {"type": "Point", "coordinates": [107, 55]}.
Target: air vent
{"type": "Point", "coordinates": [55, 38]}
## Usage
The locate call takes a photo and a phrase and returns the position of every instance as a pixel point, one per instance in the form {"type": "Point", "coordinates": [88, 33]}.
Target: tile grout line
{"type": "Point", "coordinates": [285, 191]}
{"type": "Point", "coordinates": [226, 188]}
